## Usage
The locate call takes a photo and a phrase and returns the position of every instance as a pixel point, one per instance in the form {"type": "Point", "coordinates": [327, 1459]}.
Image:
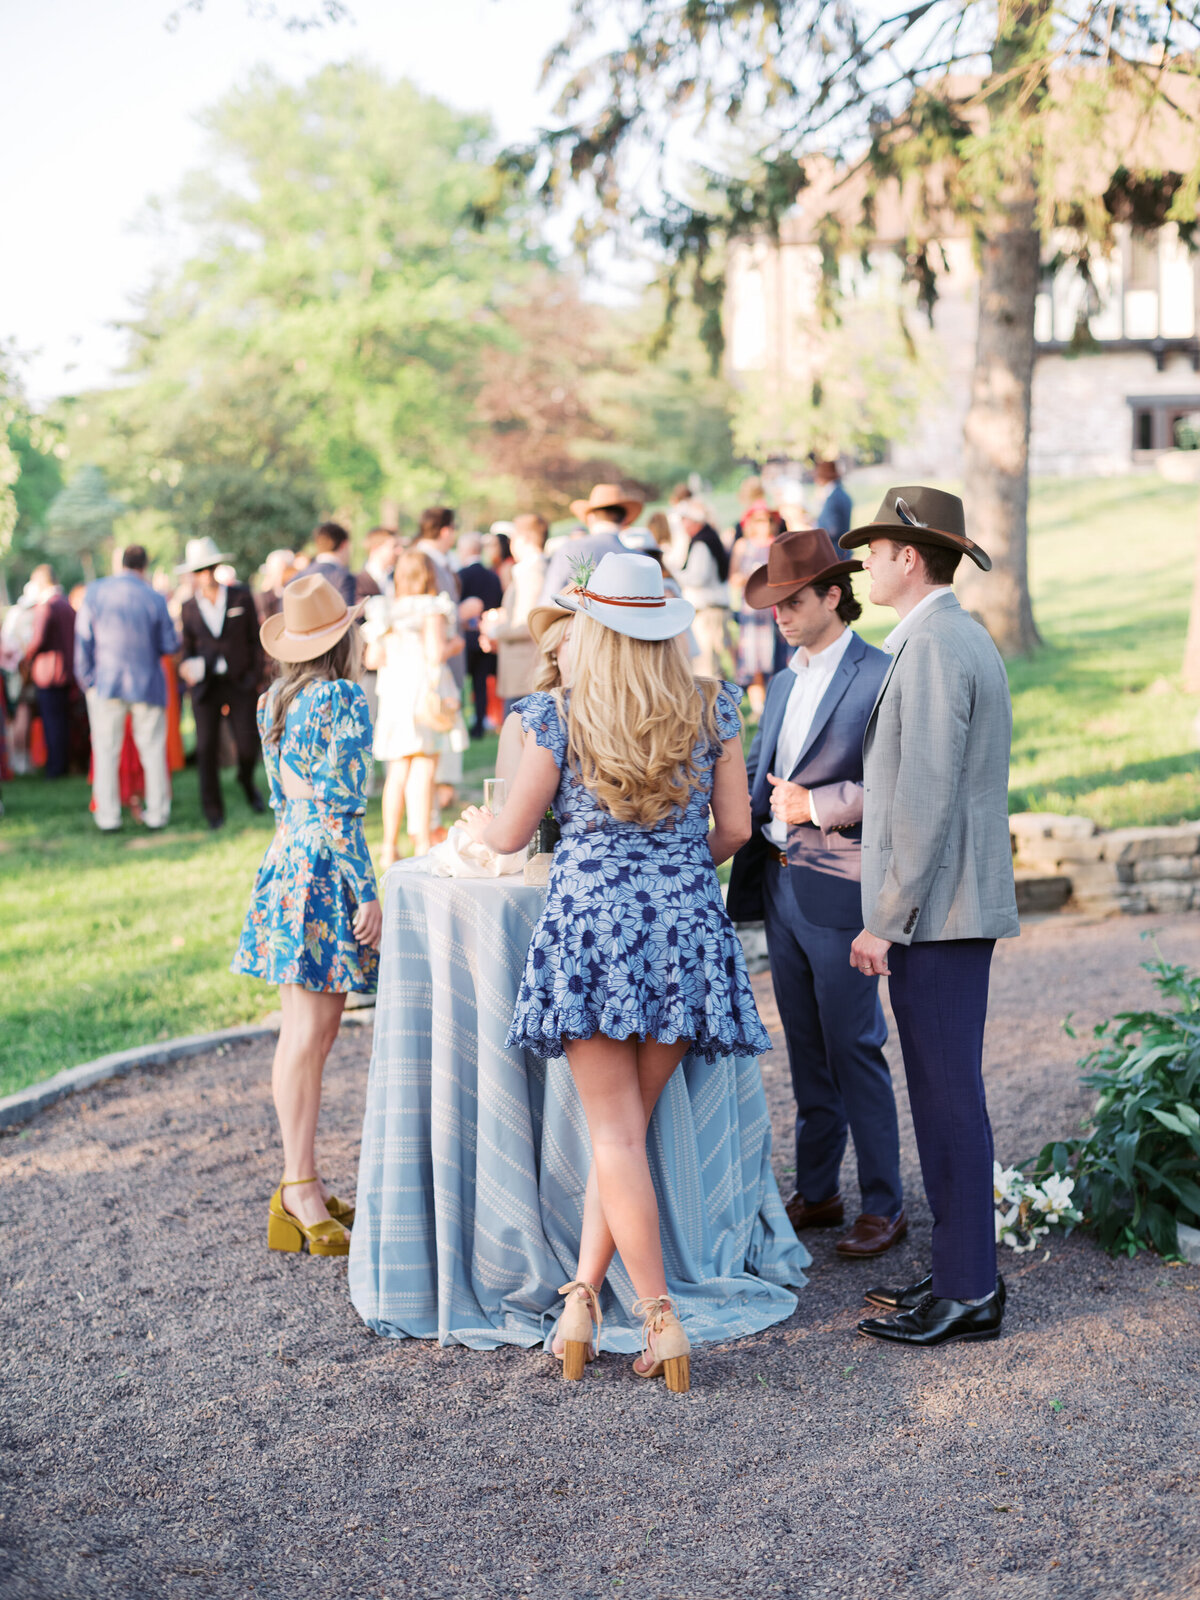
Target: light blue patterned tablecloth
{"type": "Point", "coordinates": [474, 1157]}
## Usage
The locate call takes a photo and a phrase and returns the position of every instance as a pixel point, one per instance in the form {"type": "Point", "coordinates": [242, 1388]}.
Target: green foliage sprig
{"type": "Point", "coordinates": [1137, 1171]}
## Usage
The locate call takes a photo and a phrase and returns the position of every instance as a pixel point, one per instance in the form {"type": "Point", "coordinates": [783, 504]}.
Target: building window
{"type": "Point", "coordinates": [1143, 430]}
{"type": "Point", "coordinates": [1143, 261]}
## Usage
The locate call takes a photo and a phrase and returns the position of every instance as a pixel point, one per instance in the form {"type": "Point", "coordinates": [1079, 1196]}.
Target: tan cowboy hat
{"type": "Point", "coordinates": [607, 497]}
{"type": "Point", "coordinates": [916, 515]}
{"type": "Point", "coordinates": [313, 619]}
{"type": "Point", "coordinates": [796, 560]}
{"type": "Point", "coordinates": [540, 618]}
{"type": "Point", "coordinates": [626, 594]}
{"type": "Point", "coordinates": [200, 554]}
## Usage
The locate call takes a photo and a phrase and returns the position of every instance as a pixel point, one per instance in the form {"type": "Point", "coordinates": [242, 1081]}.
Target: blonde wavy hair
{"type": "Point", "coordinates": [636, 716]}
{"type": "Point", "coordinates": [343, 661]}
{"type": "Point", "coordinates": [546, 674]}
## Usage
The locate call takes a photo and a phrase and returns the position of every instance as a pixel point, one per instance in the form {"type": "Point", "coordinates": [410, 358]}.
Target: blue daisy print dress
{"type": "Point", "coordinates": [317, 871]}
{"type": "Point", "coordinates": [634, 939]}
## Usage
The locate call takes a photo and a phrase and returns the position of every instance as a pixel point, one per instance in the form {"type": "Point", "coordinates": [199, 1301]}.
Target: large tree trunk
{"type": "Point", "coordinates": [996, 435]}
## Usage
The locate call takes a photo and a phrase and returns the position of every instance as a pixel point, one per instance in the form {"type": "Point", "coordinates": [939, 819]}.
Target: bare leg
{"type": "Point", "coordinates": [619, 1082]}
{"type": "Point", "coordinates": [310, 1026]}
{"type": "Point", "coordinates": [419, 802]}
{"type": "Point", "coordinates": [655, 1064]}
{"type": "Point", "coordinates": [393, 809]}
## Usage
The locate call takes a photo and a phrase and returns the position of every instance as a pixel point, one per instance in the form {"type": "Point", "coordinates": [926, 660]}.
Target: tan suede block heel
{"type": "Point", "coordinates": [575, 1328]}
{"type": "Point", "coordinates": [670, 1349]}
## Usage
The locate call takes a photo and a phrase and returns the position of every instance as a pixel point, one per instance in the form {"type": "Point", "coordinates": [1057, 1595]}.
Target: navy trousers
{"type": "Point", "coordinates": [835, 1032]}
{"type": "Point", "coordinates": [939, 994]}
{"type": "Point", "coordinates": [55, 712]}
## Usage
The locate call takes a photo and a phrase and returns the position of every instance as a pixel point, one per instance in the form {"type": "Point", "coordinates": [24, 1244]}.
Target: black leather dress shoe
{"type": "Point", "coordinates": [906, 1299]}
{"type": "Point", "coordinates": [934, 1321]}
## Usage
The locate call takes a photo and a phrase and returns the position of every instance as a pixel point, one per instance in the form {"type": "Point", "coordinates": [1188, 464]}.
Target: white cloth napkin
{"type": "Point", "coordinates": [458, 856]}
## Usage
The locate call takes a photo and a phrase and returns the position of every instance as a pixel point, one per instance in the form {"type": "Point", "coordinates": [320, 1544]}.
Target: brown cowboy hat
{"type": "Point", "coordinates": [313, 619]}
{"type": "Point", "coordinates": [607, 497]}
{"type": "Point", "coordinates": [916, 515]}
{"type": "Point", "coordinates": [796, 560]}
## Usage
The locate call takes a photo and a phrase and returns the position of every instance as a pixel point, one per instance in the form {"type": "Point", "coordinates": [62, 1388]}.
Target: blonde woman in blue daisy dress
{"type": "Point", "coordinates": [314, 921]}
{"type": "Point", "coordinates": [634, 962]}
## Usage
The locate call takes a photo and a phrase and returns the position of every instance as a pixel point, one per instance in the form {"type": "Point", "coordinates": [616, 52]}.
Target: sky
{"type": "Point", "coordinates": [99, 114]}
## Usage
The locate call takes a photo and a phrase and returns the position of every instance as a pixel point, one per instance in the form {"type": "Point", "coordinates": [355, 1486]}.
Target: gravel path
{"type": "Point", "coordinates": [185, 1415]}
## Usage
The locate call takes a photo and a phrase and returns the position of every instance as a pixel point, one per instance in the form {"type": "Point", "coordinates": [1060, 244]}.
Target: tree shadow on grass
{"type": "Point", "coordinates": [1081, 784]}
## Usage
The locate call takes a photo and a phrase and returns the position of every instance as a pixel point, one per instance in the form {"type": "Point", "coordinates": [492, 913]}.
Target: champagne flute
{"type": "Point", "coordinates": [495, 793]}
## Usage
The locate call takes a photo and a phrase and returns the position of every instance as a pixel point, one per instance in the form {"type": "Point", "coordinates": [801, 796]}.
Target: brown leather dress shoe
{"type": "Point", "coordinates": [829, 1213]}
{"type": "Point", "coordinates": [871, 1236]}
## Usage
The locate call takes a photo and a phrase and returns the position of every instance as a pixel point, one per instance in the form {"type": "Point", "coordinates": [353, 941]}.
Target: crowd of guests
{"type": "Point", "coordinates": [93, 680]}
{"type": "Point", "coordinates": [867, 829]}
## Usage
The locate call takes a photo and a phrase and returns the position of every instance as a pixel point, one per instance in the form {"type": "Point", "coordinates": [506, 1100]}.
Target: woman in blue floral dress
{"type": "Point", "coordinates": [314, 921]}
{"type": "Point", "coordinates": [634, 962]}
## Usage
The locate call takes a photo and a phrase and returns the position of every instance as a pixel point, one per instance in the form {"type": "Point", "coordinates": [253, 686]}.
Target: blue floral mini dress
{"type": "Point", "coordinates": [634, 938]}
{"type": "Point", "coordinates": [317, 871]}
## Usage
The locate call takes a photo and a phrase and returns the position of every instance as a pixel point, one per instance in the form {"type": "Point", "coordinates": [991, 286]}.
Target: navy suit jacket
{"type": "Point", "coordinates": [825, 862]}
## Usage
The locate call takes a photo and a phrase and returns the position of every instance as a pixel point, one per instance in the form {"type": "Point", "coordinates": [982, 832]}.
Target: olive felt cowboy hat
{"type": "Point", "coordinates": [608, 497]}
{"type": "Point", "coordinates": [313, 619]}
{"type": "Point", "coordinates": [626, 594]}
{"type": "Point", "coordinates": [916, 515]}
{"type": "Point", "coordinates": [795, 561]}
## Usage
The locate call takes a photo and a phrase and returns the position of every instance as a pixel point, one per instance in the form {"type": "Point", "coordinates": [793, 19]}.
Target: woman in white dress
{"type": "Point", "coordinates": [420, 708]}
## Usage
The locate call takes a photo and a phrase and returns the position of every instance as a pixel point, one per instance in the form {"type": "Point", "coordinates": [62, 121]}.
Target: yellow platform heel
{"type": "Point", "coordinates": [339, 1211]}
{"type": "Point", "coordinates": [286, 1232]}
{"type": "Point", "coordinates": [580, 1344]}
{"type": "Point", "coordinates": [670, 1353]}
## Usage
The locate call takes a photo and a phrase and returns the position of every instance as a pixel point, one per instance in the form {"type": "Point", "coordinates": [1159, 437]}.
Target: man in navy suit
{"type": "Point", "coordinates": [801, 874]}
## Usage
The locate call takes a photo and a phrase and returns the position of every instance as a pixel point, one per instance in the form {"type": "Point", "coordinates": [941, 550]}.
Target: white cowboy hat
{"type": "Point", "coordinates": [201, 553]}
{"type": "Point", "coordinates": [626, 594]}
{"type": "Point", "coordinates": [640, 540]}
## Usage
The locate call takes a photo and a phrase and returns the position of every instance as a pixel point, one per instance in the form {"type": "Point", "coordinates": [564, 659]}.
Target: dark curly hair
{"type": "Point", "coordinates": [848, 608]}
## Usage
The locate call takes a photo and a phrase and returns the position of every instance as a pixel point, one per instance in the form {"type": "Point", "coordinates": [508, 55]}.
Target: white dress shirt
{"type": "Point", "coordinates": [904, 627]}
{"type": "Point", "coordinates": [813, 676]}
{"type": "Point", "coordinates": [213, 612]}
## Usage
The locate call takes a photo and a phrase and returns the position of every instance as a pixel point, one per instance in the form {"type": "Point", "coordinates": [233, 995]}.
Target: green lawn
{"type": "Point", "coordinates": [112, 941]}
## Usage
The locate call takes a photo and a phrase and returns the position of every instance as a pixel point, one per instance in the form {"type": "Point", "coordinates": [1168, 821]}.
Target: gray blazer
{"type": "Point", "coordinates": [936, 855]}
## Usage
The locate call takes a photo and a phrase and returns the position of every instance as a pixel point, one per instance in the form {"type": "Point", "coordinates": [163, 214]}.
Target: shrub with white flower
{"type": "Point", "coordinates": [1026, 1211]}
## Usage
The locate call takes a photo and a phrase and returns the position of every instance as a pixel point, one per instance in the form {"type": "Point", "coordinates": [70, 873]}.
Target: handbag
{"type": "Point", "coordinates": [436, 710]}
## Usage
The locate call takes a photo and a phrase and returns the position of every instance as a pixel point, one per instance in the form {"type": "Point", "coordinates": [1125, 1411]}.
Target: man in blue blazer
{"type": "Point", "coordinates": [800, 873]}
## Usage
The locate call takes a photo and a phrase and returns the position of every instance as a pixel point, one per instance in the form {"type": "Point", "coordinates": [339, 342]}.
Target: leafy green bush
{"type": "Point", "coordinates": [1137, 1171]}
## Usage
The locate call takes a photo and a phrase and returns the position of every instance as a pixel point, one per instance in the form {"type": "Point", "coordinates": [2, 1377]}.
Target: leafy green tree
{"type": "Point", "coordinates": [80, 518]}
{"type": "Point", "coordinates": [338, 299]}
{"type": "Point", "coordinates": [30, 473]}
{"type": "Point", "coordinates": [977, 109]}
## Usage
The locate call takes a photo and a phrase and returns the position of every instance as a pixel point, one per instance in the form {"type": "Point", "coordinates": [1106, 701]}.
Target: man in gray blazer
{"type": "Point", "coordinates": [800, 874]}
{"type": "Point", "coordinates": [937, 892]}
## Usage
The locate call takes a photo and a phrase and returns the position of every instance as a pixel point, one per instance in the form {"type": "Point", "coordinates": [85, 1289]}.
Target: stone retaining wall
{"type": "Point", "coordinates": [1128, 869]}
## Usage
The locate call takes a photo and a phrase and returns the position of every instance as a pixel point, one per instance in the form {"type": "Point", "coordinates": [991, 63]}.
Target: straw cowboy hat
{"type": "Point", "coordinates": [313, 619]}
{"type": "Point", "coordinates": [916, 515]}
{"type": "Point", "coordinates": [200, 554]}
{"type": "Point", "coordinates": [626, 594]}
{"type": "Point", "coordinates": [796, 560]}
{"type": "Point", "coordinates": [607, 497]}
